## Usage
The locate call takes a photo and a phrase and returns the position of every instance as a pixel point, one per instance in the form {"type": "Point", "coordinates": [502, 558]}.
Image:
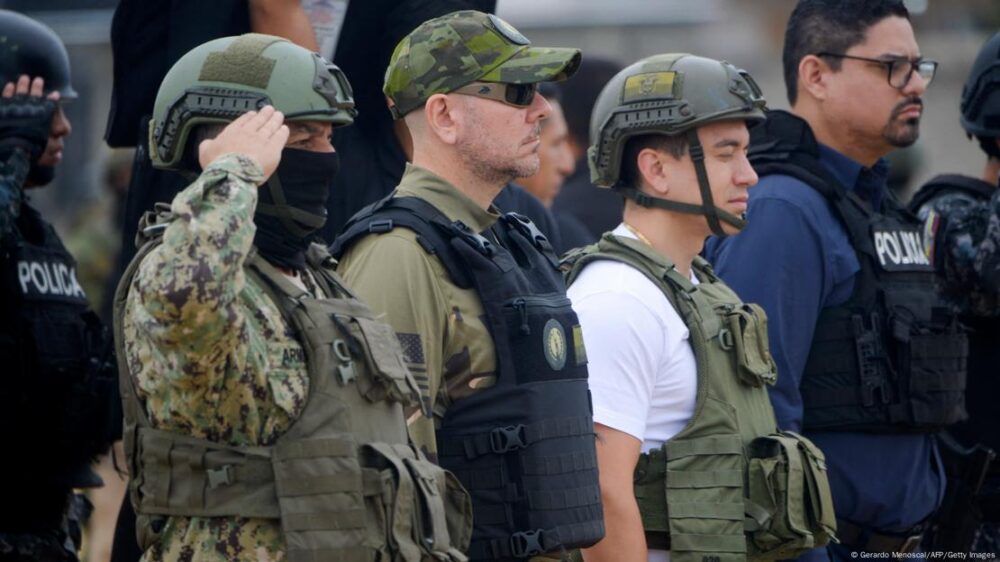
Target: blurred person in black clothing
{"type": "Point", "coordinates": [599, 210]}
{"type": "Point", "coordinates": [555, 164]}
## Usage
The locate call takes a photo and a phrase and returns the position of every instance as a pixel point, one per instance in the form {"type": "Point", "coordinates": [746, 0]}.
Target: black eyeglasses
{"type": "Point", "coordinates": [899, 70]}
{"type": "Point", "coordinates": [520, 95]}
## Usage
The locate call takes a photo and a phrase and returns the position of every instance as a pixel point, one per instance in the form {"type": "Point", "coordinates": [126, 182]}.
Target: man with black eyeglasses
{"type": "Point", "coordinates": [870, 362]}
{"type": "Point", "coordinates": [476, 296]}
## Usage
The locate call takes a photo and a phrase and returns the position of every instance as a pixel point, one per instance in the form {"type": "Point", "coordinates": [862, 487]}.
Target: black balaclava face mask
{"type": "Point", "coordinates": [292, 206]}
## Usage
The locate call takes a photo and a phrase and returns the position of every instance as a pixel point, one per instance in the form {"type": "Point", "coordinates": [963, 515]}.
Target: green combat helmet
{"type": "Point", "coordinates": [223, 79]}
{"type": "Point", "coordinates": [669, 94]}
{"type": "Point", "coordinates": [448, 52]}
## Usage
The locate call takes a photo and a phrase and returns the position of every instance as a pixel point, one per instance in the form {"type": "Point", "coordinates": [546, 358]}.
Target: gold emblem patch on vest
{"type": "Point", "coordinates": [554, 344]}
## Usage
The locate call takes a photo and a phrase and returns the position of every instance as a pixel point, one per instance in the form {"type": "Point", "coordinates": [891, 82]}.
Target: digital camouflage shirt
{"type": "Point", "coordinates": [447, 346]}
{"type": "Point", "coordinates": [211, 355]}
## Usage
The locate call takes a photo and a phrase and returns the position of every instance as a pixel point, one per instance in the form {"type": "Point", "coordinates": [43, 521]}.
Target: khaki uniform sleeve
{"type": "Point", "coordinates": [183, 297]}
{"type": "Point", "coordinates": [394, 275]}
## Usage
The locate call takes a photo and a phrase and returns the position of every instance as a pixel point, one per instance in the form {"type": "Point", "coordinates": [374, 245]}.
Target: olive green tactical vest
{"type": "Point", "coordinates": [344, 480]}
{"type": "Point", "coordinates": [729, 486]}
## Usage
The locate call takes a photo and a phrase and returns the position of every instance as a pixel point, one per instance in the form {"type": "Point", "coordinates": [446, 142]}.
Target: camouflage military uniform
{"type": "Point", "coordinates": [210, 353]}
{"type": "Point", "coordinates": [447, 346]}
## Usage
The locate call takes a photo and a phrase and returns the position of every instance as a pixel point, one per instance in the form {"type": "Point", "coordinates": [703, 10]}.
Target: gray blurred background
{"type": "Point", "coordinates": [747, 33]}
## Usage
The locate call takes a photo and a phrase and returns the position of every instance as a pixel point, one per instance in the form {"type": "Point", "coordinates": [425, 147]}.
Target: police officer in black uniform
{"type": "Point", "coordinates": [962, 231]}
{"type": "Point", "coordinates": [56, 372]}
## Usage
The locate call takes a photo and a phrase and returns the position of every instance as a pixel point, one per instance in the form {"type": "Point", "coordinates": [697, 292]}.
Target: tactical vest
{"type": "Point", "coordinates": [729, 486]}
{"type": "Point", "coordinates": [58, 373]}
{"type": "Point", "coordinates": [344, 480]}
{"type": "Point", "coordinates": [893, 357]}
{"type": "Point", "coordinates": [524, 448]}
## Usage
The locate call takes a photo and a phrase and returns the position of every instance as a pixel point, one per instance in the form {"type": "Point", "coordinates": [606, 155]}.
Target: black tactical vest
{"type": "Point", "coordinates": [524, 448]}
{"type": "Point", "coordinates": [58, 371]}
{"type": "Point", "coordinates": [893, 357]}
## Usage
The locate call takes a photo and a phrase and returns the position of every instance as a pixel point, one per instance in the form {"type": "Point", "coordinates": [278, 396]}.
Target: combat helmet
{"type": "Point", "coordinates": [981, 94]}
{"type": "Point", "coordinates": [669, 94]}
{"type": "Point", "coordinates": [220, 80]}
{"type": "Point", "coordinates": [30, 47]}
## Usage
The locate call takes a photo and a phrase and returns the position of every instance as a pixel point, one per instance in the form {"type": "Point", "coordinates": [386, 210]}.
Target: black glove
{"type": "Point", "coordinates": [25, 122]}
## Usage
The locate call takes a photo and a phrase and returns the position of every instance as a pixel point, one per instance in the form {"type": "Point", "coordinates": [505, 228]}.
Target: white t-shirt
{"type": "Point", "coordinates": [642, 371]}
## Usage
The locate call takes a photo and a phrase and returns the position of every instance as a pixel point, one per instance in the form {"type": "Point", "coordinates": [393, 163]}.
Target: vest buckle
{"type": "Point", "coordinates": [477, 241]}
{"type": "Point", "coordinates": [527, 543]}
{"type": "Point", "coordinates": [504, 439]}
{"type": "Point", "coordinates": [380, 226]}
{"type": "Point", "coordinates": [222, 476]}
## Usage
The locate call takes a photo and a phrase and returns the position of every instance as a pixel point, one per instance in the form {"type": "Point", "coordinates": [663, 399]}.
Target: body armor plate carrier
{"type": "Point", "coordinates": [58, 371]}
{"type": "Point", "coordinates": [893, 357]}
{"type": "Point", "coordinates": [524, 448]}
{"type": "Point", "coordinates": [344, 480]}
{"type": "Point", "coordinates": [729, 486]}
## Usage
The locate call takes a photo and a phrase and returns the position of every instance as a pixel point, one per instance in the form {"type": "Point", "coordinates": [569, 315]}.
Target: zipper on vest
{"type": "Point", "coordinates": [521, 304]}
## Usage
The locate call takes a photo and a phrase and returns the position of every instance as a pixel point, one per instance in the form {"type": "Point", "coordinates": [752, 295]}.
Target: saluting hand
{"type": "Point", "coordinates": [26, 116]}
{"type": "Point", "coordinates": [257, 135]}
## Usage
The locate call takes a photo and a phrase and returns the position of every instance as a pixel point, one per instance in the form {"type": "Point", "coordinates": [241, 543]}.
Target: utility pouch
{"type": "Point", "coordinates": [415, 500]}
{"type": "Point", "coordinates": [747, 328]}
{"type": "Point", "coordinates": [445, 510]}
{"type": "Point", "coordinates": [790, 507]}
{"type": "Point", "coordinates": [390, 379]}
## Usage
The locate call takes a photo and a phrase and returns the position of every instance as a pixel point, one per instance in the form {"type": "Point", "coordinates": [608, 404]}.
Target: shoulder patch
{"type": "Point", "coordinates": [554, 344]}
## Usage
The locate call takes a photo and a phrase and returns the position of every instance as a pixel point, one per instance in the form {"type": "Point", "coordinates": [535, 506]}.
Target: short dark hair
{"type": "Point", "coordinates": [580, 92]}
{"type": "Point", "coordinates": [830, 26]}
{"type": "Point", "coordinates": [989, 146]}
{"type": "Point", "coordinates": [674, 145]}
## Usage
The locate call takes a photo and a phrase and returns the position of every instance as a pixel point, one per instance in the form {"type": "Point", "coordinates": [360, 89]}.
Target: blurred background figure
{"type": "Point", "coordinates": [905, 165]}
{"type": "Point", "coordinates": [598, 210]}
{"type": "Point", "coordinates": [556, 162]}
{"type": "Point", "coordinates": [93, 235]}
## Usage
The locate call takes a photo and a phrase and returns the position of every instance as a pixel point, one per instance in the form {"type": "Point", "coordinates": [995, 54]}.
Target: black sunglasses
{"type": "Point", "coordinates": [899, 71]}
{"type": "Point", "coordinates": [520, 95]}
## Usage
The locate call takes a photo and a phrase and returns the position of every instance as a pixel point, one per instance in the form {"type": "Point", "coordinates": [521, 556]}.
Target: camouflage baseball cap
{"type": "Point", "coordinates": [448, 52]}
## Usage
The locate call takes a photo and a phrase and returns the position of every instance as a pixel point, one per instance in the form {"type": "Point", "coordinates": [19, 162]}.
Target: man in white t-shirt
{"type": "Point", "coordinates": [670, 134]}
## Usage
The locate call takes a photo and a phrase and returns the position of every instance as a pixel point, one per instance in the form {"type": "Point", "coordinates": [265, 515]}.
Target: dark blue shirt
{"type": "Point", "coordinates": [794, 259]}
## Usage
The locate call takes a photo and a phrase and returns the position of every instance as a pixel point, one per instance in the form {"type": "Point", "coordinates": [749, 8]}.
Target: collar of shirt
{"type": "Point", "coordinates": [422, 183]}
{"type": "Point", "coordinates": [868, 183]}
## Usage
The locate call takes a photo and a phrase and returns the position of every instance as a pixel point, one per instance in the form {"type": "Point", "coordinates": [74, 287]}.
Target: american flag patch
{"type": "Point", "coordinates": [413, 348]}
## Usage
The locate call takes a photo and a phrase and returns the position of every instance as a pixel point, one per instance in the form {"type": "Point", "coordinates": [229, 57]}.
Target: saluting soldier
{"type": "Point", "coordinates": [263, 401]}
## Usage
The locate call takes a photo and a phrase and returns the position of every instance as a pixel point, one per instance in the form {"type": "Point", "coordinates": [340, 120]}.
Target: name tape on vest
{"type": "Point", "coordinates": [901, 250]}
{"type": "Point", "coordinates": [39, 278]}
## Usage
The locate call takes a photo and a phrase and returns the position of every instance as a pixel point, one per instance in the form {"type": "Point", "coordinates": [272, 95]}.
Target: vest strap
{"type": "Point", "coordinates": [501, 440]}
{"type": "Point", "coordinates": [531, 543]}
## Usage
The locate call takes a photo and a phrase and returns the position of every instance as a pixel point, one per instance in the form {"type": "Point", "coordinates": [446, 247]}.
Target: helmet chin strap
{"type": "Point", "coordinates": [713, 215]}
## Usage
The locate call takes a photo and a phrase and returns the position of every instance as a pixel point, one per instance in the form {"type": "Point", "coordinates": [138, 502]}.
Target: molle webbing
{"type": "Point", "coordinates": [693, 492]}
